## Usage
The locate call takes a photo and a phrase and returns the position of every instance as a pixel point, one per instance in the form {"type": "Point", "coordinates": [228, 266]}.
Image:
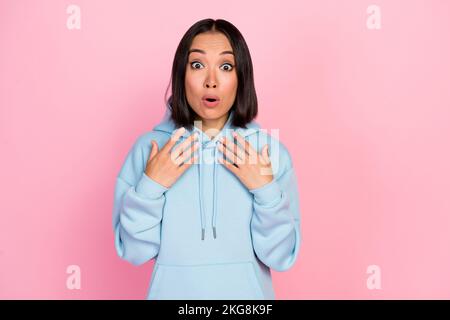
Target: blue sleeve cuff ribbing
{"type": "Point", "coordinates": [149, 187]}
{"type": "Point", "coordinates": [267, 194]}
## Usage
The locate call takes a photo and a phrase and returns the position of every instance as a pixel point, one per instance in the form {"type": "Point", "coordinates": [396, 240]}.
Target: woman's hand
{"type": "Point", "coordinates": [253, 170]}
{"type": "Point", "coordinates": [166, 166]}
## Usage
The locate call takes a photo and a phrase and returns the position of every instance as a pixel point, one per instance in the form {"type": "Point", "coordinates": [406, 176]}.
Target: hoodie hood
{"type": "Point", "coordinates": [168, 127]}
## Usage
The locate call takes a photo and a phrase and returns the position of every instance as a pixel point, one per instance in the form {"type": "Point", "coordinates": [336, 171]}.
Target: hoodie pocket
{"type": "Point", "coordinates": [213, 281]}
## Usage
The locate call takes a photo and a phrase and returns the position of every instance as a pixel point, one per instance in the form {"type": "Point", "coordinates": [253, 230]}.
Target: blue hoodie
{"type": "Point", "coordinates": [211, 237]}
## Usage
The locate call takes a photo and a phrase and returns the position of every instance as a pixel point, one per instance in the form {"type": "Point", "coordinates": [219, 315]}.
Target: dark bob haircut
{"type": "Point", "coordinates": [245, 106]}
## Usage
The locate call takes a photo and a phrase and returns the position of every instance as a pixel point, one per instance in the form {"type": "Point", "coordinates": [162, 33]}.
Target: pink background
{"type": "Point", "coordinates": [364, 113]}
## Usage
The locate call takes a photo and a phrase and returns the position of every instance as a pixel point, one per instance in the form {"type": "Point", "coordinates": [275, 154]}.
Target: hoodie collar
{"type": "Point", "coordinates": [168, 126]}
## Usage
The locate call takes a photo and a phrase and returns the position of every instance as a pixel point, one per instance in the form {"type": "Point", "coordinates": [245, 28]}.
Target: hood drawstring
{"type": "Point", "coordinates": [215, 181]}
{"type": "Point", "coordinates": [200, 192]}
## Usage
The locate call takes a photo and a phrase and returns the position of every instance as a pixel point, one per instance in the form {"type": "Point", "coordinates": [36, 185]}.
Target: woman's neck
{"type": "Point", "coordinates": [212, 126]}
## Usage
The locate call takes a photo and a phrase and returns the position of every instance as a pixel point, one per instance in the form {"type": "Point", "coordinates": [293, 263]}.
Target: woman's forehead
{"type": "Point", "coordinates": [210, 42]}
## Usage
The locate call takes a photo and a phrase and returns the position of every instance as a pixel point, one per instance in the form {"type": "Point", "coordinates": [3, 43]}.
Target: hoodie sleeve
{"type": "Point", "coordinates": [275, 224]}
{"type": "Point", "coordinates": [137, 213]}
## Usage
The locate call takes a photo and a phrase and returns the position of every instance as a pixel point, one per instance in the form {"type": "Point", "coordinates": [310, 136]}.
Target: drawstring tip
{"type": "Point", "coordinates": [214, 232]}
{"type": "Point", "coordinates": [203, 234]}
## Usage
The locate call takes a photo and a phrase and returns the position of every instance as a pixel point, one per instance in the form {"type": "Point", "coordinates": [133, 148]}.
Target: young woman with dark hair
{"type": "Point", "coordinates": [201, 193]}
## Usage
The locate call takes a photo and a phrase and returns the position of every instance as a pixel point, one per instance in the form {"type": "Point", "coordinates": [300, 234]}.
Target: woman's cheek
{"type": "Point", "coordinates": [232, 86]}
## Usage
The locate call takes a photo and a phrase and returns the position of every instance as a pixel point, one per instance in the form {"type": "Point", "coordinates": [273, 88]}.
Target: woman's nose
{"type": "Point", "coordinates": [211, 80]}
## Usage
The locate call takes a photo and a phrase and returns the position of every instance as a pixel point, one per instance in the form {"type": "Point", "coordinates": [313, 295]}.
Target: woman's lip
{"type": "Point", "coordinates": [210, 104]}
{"type": "Point", "coordinates": [210, 96]}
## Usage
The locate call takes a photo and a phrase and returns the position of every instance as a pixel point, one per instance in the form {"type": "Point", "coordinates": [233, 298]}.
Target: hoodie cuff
{"type": "Point", "coordinates": [268, 193]}
{"type": "Point", "coordinates": [150, 188]}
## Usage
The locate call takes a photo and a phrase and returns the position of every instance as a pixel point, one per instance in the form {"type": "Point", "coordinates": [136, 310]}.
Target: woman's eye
{"type": "Point", "coordinates": [229, 66]}
{"type": "Point", "coordinates": [195, 63]}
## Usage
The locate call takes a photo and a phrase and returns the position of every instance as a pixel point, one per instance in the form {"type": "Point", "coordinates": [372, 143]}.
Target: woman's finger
{"type": "Point", "coordinates": [231, 166]}
{"type": "Point", "coordinates": [189, 162]}
{"type": "Point", "coordinates": [246, 145]}
{"type": "Point", "coordinates": [182, 146]}
{"type": "Point", "coordinates": [186, 154]}
{"type": "Point", "coordinates": [173, 140]}
{"type": "Point", "coordinates": [265, 159]}
{"type": "Point", "coordinates": [154, 150]}
{"type": "Point", "coordinates": [233, 147]}
{"type": "Point", "coordinates": [229, 154]}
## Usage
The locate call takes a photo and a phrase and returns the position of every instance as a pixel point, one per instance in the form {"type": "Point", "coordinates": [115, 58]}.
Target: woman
{"type": "Point", "coordinates": [200, 193]}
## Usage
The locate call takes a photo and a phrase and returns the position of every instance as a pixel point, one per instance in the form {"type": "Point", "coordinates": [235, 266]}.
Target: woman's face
{"type": "Point", "coordinates": [211, 71]}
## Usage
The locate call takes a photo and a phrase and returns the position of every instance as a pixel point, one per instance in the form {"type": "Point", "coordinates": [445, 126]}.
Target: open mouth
{"type": "Point", "coordinates": [211, 101]}
{"type": "Point", "coordinates": [210, 98]}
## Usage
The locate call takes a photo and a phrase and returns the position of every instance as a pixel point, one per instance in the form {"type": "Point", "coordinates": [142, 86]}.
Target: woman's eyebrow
{"type": "Point", "coordinates": [203, 52]}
